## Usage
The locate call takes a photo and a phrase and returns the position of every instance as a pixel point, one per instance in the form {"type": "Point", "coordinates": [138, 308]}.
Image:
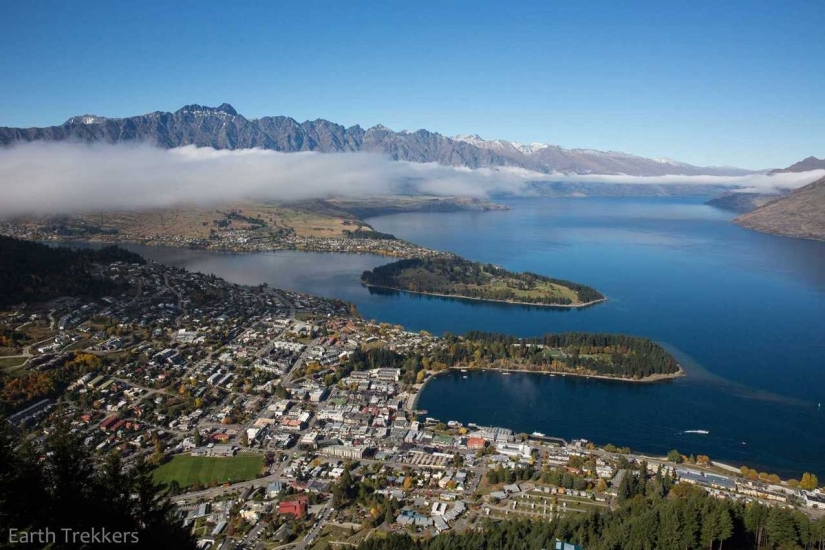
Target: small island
{"type": "Point", "coordinates": [456, 277]}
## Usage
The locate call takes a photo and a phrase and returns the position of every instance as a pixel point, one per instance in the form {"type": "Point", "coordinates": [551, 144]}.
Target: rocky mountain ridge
{"type": "Point", "coordinates": [223, 127]}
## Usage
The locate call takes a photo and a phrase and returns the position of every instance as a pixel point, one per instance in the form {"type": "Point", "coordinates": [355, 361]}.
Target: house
{"type": "Point", "coordinates": [297, 508]}
{"type": "Point", "coordinates": [814, 499]}
{"type": "Point", "coordinates": [476, 443]}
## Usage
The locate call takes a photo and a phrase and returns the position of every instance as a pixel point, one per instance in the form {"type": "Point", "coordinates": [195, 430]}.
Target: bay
{"type": "Point", "coordinates": [742, 311]}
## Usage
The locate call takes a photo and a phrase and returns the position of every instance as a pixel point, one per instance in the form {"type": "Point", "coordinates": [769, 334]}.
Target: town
{"type": "Point", "coordinates": [246, 238]}
{"type": "Point", "coordinates": [275, 417]}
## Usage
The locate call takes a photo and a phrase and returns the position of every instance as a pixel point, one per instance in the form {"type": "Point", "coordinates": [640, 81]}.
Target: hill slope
{"type": "Point", "coordinates": [223, 128]}
{"type": "Point", "coordinates": [798, 214]}
{"type": "Point", "coordinates": [741, 202]}
{"type": "Point", "coordinates": [36, 272]}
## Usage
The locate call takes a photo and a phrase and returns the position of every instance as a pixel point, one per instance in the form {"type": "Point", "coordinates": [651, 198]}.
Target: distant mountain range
{"type": "Point", "coordinates": [810, 163]}
{"type": "Point", "coordinates": [223, 128]}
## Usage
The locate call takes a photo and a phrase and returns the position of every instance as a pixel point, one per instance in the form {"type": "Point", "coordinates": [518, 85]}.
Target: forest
{"type": "Point", "coordinates": [463, 278]}
{"type": "Point", "coordinates": [18, 392]}
{"type": "Point", "coordinates": [56, 486]}
{"type": "Point", "coordinates": [34, 272]}
{"type": "Point", "coordinates": [370, 234]}
{"type": "Point", "coordinates": [653, 514]}
{"type": "Point", "coordinates": [615, 355]}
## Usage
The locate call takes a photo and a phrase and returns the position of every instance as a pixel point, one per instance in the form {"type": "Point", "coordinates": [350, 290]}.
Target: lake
{"type": "Point", "coordinates": [744, 313]}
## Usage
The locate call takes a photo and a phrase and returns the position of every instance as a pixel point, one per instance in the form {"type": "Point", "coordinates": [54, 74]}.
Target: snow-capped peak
{"type": "Point", "coordinates": [500, 144]}
{"type": "Point", "coordinates": [86, 119]}
{"type": "Point", "coordinates": [531, 148]}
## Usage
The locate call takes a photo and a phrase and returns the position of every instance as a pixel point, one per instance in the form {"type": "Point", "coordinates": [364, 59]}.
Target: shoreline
{"type": "Point", "coordinates": [509, 302]}
{"type": "Point", "coordinates": [653, 378]}
{"type": "Point", "coordinates": [419, 251]}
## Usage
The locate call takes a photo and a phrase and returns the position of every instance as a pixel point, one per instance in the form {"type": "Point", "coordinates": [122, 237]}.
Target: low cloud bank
{"type": "Point", "coordinates": [51, 178]}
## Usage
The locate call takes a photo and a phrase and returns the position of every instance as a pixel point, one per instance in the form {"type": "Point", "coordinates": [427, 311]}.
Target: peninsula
{"type": "Point", "coordinates": [456, 277]}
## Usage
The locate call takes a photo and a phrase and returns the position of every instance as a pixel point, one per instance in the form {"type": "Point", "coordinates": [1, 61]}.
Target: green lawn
{"type": "Point", "coordinates": [11, 363]}
{"type": "Point", "coordinates": [203, 470]}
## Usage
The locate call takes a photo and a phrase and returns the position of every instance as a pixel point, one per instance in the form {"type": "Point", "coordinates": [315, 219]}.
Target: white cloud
{"type": "Point", "coordinates": [46, 178]}
{"type": "Point", "coordinates": [759, 183]}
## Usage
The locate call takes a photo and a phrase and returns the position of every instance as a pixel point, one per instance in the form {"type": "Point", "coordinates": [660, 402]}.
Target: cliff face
{"type": "Point", "coordinates": [798, 214]}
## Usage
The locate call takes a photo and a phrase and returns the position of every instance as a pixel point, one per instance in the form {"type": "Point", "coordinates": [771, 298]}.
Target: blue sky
{"type": "Point", "coordinates": [732, 82]}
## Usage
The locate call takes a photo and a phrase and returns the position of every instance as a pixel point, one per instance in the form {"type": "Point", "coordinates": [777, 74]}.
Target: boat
{"type": "Point", "coordinates": [537, 434]}
{"type": "Point", "coordinates": [700, 432]}
{"type": "Point", "coordinates": [506, 373]}
{"type": "Point", "coordinates": [463, 370]}
{"type": "Point", "coordinates": [465, 376]}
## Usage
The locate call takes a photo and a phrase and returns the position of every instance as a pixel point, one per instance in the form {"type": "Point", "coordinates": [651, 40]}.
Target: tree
{"type": "Point", "coordinates": [244, 438]}
{"type": "Point", "coordinates": [809, 482]}
{"type": "Point", "coordinates": [57, 485]}
{"type": "Point", "coordinates": [675, 457]}
{"type": "Point", "coordinates": [709, 527]}
{"type": "Point", "coordinates": [724, 526]}
{"type": "Point", "coordinates": [780, 527]}
{"type": "Point", "coordinates": [601, 486]}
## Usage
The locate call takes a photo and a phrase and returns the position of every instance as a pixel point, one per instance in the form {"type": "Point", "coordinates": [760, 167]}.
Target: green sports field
{"type": "Point", "coordinates": [202, 470]}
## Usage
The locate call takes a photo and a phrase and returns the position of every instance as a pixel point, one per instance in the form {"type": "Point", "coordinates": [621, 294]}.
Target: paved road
{"type": "Point", "coordinates": [313, 533]}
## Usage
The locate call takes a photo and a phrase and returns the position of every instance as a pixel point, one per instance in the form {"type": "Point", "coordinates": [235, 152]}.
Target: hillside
{"type": "Point", "coordinates": [741, 202]}
{"type": "Point", "coordinates": [36, 272]}
{"type": "Point", "coordinates": [460, 278]}
{"type": "Point", "coordinates": [223, 128]}
{"type": "Point", "coordinates": [798, 214]}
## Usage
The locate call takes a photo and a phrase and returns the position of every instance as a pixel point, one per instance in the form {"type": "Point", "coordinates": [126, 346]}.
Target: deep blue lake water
{"type": "Point", "coordinates": [744, 312]}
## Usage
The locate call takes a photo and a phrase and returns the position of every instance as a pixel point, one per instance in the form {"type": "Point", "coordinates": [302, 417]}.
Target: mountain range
{"type": "Point", "coordinates": [805, 165]}
{"type": "Point", "coordinates": [223, 128]}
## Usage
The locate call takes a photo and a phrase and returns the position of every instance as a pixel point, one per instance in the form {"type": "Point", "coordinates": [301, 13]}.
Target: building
{"type": "Point", "coordinates": [518, 450]}
{"type": "Point", "coordinates": [476, 443]}
{"type": "Point", "coordinates": [345, 451]}
{"type": "Point", "coordinates": [316, 396]}
{"type": "Point", "coordinates": [297, 508]}
{"type": "Point", "coordinates": [389, 375]}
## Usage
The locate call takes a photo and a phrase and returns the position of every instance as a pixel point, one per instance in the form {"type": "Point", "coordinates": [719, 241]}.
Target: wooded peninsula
{"type": "Point", "coordinates": [460, 278]}
{"type": "Point", "coordinates": [615, 356]}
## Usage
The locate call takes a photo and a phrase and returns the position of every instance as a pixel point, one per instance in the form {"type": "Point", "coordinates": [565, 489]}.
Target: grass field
{"type": "Point", "coordinates": [194, 221]}
{"type": "Point", "coordinates": [9, 365]}
{"type": "Point", "coordinates": [202, 470]}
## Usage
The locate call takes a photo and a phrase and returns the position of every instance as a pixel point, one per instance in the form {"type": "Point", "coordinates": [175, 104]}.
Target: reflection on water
{"type": "Point", "coordinates": [653, 418]}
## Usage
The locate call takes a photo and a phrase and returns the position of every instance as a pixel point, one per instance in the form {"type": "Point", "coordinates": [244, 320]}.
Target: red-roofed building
{"type": "Point", "coordinates": [296, 508]}
{"type": "Point", "coordinates": [107, 423]}
{"type": "Point", "coordinates": [475, 443]}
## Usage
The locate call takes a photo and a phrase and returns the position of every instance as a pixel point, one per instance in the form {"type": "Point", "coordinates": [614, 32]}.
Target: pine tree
{"type": "Point", "coordinates": [709, 526]}
{"type": "Point", "coordinates": [724, 525]}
